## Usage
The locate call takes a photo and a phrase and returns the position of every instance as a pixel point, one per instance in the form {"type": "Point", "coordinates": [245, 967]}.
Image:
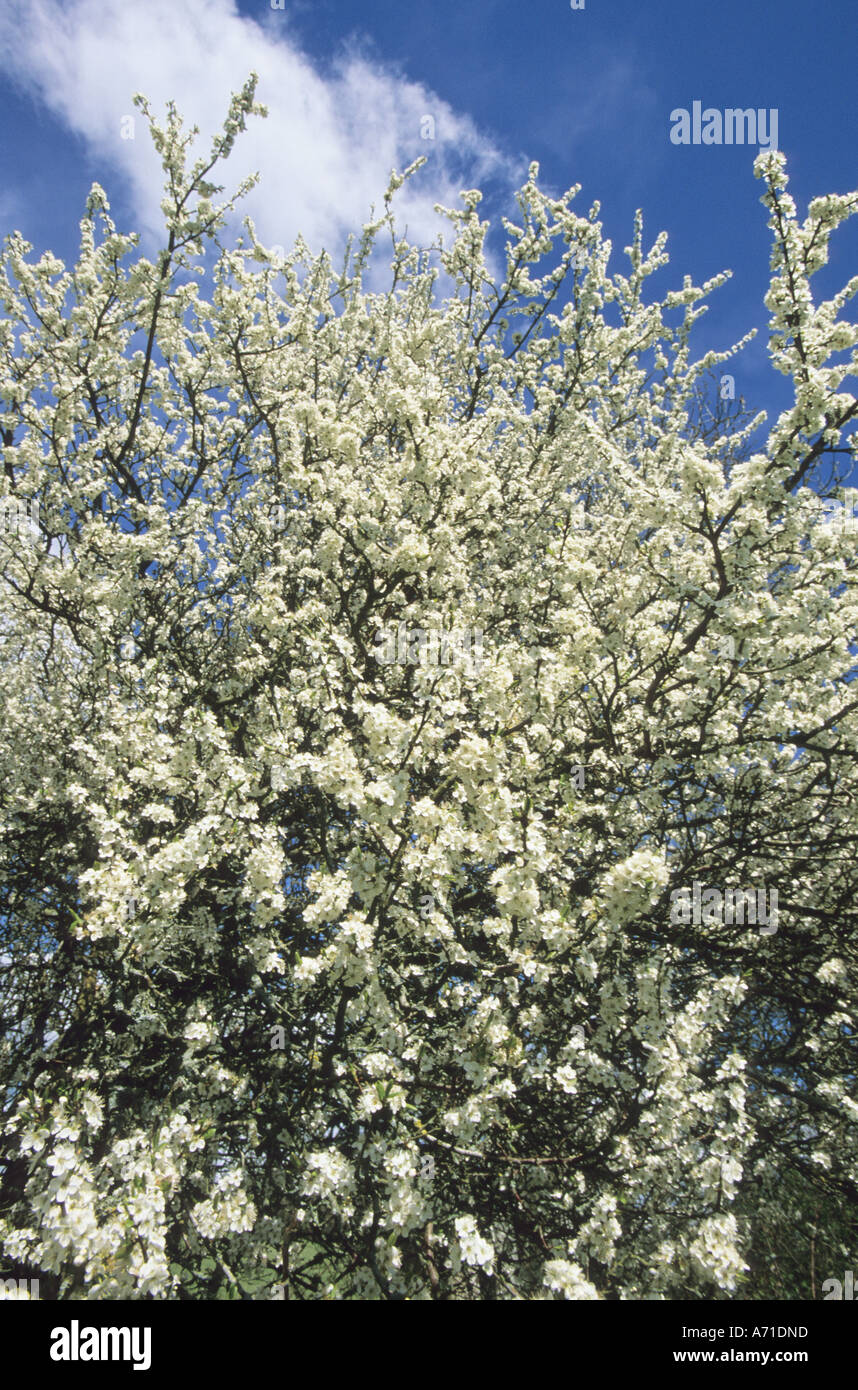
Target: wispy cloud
{"type": "Point", "coordinates": [324, 153]}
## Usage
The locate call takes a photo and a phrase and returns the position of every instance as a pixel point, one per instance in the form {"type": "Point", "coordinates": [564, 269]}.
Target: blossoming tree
{"type": "Point", "coordinates": [360, 978]}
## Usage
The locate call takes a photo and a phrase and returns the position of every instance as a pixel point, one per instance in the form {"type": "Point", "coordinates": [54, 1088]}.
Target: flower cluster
{"type": "Point", "coordinates": [334, 970]}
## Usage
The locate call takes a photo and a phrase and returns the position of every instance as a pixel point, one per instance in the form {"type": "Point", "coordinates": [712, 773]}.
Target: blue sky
{"type": "Point", "coordinates": [588, 93]}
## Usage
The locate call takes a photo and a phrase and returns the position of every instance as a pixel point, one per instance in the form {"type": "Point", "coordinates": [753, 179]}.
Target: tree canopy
{"type": "Point", "coordinates": [366, 977]}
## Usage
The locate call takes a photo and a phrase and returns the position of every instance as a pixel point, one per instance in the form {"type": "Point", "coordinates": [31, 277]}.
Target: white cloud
{"type": "Point", "coordinates": [325, 151]}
